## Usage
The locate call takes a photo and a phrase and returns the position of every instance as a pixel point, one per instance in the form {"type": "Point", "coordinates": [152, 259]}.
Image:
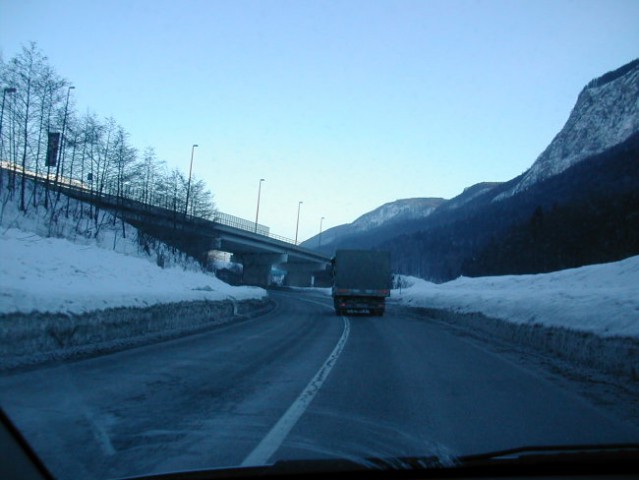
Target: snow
{"type": "Point", "coordinates": [604, 116]}
{"type": "Point", "coordinates": [59, 263]}
{"type": "Point", "coordinates": [602, 299]}
{"type": "Point", "coordinates": [406, 209]}
{"type": "Point", "coordinates": [56, 275]}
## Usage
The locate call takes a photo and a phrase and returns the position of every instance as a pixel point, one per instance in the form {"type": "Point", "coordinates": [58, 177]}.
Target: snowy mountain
{"type": "Point", "coordinates": [397, 211]}
{"type": "Point", "coordinates": [577, 204]}
{"type": "Point", "coordinates": [392, 213]}
{"type": "Point", "coordinates": [469, 194]}
{"type": "Point", "coordinates": [606, 114]}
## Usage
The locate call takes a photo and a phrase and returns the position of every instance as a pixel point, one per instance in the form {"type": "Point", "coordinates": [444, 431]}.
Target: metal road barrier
{"type": "Point", "coordinates": [249, 226]}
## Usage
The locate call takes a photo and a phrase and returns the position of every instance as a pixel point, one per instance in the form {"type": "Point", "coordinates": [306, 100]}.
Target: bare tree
{"type": "Point", "coordinates": [146, 172]}
{"type": "Point", "coordinates": [201, 202]}
{"type": "Point", "coordinates": [99, 153]}
{"type": "Point", "coordinates": [29, 71]}
{"type": "Point", "coordinates": [49, 93]}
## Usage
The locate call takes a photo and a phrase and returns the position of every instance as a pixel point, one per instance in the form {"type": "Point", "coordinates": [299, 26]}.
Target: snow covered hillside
{"type": "Point", "coordinates": [601, 299]}
{"type": "Point", "coordinates": [56, 275]}
{"type": "Point", "coordinates": [399, 210]}
{"type": "Point", "coordinates": [392, 213]}
{"type": "Point", "coordinates": [59, 264]}
{"type": "Point", "coordinates": [606, 114]}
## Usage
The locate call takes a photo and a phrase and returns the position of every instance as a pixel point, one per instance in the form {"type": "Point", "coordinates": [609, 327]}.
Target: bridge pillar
{"type": "Point", "coordinates": [300, 274]}
{"type": "Point", "coordinates": [256, 267]}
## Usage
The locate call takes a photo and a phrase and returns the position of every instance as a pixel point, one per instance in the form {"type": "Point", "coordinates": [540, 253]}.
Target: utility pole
{"type": "Point", "coordinates": [4, 94]}
{"type": "Point", "coordinates": [62, 142]}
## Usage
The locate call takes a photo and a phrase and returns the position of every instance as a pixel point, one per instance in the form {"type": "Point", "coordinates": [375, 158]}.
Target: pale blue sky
{"type": "Point", "coordinates": [344, 105]}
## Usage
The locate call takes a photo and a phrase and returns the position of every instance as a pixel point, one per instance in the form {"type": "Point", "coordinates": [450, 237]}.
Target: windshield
{"type": "Point", "coordinates": [235, 233]}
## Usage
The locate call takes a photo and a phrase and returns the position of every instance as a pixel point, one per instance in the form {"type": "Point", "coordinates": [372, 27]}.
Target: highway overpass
{"type": "Point", "coordinates": [253, 246]}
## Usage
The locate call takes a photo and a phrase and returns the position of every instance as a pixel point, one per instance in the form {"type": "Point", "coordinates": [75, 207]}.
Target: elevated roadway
{"type": "Point", "coordinates": [258, 253]}
{"type": "Point", "coordinates": [251, 245]}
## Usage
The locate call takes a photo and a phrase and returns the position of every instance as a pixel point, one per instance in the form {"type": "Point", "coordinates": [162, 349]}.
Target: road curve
{"type": "Point", "coordinates": [296, 383]}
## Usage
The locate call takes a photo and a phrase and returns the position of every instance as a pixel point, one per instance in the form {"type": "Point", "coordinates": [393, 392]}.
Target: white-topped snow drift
{"type": "Point", "coordinates": [55, 275]}
{"type": "Point", "coordinates": [601, 299]}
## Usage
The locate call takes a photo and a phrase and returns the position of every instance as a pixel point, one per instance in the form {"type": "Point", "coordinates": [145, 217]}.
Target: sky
{"type": "Point", "coordinates": [341, 105]}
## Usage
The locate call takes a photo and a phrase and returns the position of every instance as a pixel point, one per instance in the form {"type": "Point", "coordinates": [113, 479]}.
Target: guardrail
{"type": "Point", "coordinates": [241, 223]}
{"type": "Point", "coordinates": [247, 225]}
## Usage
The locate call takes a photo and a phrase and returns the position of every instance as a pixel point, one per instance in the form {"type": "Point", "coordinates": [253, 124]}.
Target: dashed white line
{"type": "Point", "coordinates": [276, 436]}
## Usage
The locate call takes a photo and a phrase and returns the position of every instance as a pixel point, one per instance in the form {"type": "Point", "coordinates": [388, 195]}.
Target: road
{"type": "Point", "coordinates": [296, 383]}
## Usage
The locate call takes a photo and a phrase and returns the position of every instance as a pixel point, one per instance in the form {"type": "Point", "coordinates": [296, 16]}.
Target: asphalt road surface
{"type": "Point", "coordinates": [299, 382]}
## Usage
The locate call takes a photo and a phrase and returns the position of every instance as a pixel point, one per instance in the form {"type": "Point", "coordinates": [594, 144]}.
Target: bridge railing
{"type": "Point", "coordinates": [247, 225]}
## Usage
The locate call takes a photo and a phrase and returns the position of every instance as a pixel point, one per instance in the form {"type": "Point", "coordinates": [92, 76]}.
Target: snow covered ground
{"type": "Point", "coordinates": [56, 275]}
{"type": "Point", "coordinates": [601, 299]}
{"type": "Point", "coordinates": [102, 266]}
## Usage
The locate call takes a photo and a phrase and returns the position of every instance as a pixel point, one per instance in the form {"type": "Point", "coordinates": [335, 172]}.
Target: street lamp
{"type": "Point", "coordinates": [4, 94]}
{"type": "Point", "coordinates": [58, 172]}
{"type": "Point", "coordinates": [188, 187]}
{"type": "Point", "coordinates": [298, 220]}
{"type": "Point", "coordinates": [257, 211]}
{"type": "Point", "coordinates": [319, 242]}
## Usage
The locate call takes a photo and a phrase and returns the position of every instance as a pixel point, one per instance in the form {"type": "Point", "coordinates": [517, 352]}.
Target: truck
{"type": "Point", "coordinates": [361, 281]}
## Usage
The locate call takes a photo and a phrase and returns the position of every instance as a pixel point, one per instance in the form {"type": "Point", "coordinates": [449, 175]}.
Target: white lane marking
{"type": "Point", "coordinates": [100, 434]}
{"type": "Point", "coordinates": [273, 439]}
{"type": "Point", "coordinates": [92, 417]}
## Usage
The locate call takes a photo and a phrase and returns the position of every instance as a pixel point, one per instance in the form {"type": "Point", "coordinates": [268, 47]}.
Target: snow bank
{"type": "Point", "coordinates": [600, 299]}
{"type": "Point", "coordinates": [588, 316]}
{"type": "Point", "coordinates": [35, 338]}
{"type": "Point", "coordinates": [55, 275]}
{"type": "Point", "coordinates": [61, 300]}
{"type": "Point", "coordinates": [70, 258]}
{"type": "Point", "coordinates": [75, 282]}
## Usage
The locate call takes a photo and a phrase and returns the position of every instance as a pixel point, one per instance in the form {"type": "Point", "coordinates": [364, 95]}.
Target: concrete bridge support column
{"type": "Point", "coordinates": [256, 267]}
{"type": "Point", "coordinates": [300, 274]}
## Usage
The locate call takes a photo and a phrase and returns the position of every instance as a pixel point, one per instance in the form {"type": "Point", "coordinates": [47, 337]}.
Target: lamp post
{"type": "Point", "coordinates": [4, 94]}
{"type": "Point", "coordinates": [298, 220]}
{"type": "Point", "coordinates": [319, 241]}
{"type": "Point", "coordinates": [257, 211]}
{"type": "Point", "coordinates": [62, 142]}
{"type": "Point", "coordinates": [188, 186]}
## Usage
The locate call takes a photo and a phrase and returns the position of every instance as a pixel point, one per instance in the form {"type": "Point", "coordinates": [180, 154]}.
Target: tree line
{"type": "Point", "coordinates": [92, 153]}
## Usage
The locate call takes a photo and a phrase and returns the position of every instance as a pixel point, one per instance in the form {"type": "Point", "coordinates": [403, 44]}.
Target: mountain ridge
{"type": "Point", "coordinates": [584, 178]}
{"type": "Point", "coordinates": [405, 209]}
